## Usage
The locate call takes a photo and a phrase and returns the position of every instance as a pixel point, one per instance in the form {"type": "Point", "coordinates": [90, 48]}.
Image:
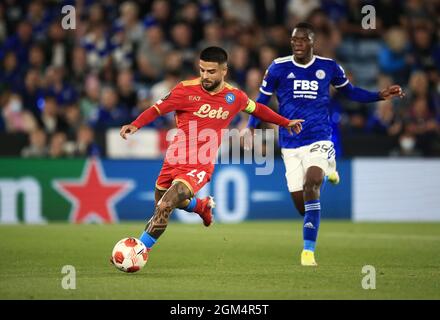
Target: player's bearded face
{"type": "Point", "coordinates": [212, 75]}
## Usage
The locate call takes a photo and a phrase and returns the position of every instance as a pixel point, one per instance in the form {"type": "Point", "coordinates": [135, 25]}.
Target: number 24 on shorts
{"type": "Point", "coordinates": [201, 175]}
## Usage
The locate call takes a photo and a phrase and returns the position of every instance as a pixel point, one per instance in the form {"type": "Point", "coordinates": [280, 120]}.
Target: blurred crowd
{"type": "Point", "coordinates": [61, 87]}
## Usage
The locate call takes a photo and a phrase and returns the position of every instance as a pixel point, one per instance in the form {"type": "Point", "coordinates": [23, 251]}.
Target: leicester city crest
{"type": "Point", "coordinates": [320, 74]}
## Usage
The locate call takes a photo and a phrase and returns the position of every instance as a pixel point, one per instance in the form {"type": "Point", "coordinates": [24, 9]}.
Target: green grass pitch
{"type": "Point", "coordinates": [252, 260]}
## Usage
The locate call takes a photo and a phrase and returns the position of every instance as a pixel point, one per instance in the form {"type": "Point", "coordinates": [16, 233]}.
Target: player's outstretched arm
{"type": "Point", "coordinates": [254, 121]}
{"type": "Point", "coordinates": [167, 104]}
{"type": "Point", "coordinates": [143, 119]}
{"type": "Point", "coordinates": [295, 125]}
{"type": "Point", "coordinates": [127, 129]}
{"type": "Point", "coordinates": [391, 92]}
{"type": "Point", "coordinates": [365, 96]}
{"type": "Point", "coordinates": [264, 113]}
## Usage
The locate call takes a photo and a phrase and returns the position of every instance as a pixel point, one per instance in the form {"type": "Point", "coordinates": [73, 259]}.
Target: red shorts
{"type": "Point", "coordinates": [193, 178]}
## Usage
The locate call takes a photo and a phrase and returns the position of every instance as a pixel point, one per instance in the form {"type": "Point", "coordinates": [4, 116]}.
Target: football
{"type": "Point", "coordinates": [129, 255]}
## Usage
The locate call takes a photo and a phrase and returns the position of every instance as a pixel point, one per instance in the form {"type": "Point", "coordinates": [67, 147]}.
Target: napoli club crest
{"type": "Point", "coordinates": [320, 74]}
{"type": "Point", "coordinates": [230, 98]}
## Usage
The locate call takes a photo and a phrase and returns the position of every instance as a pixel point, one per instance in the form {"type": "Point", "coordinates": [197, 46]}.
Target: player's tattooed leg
{"type": "Point", "coordinates": [158, 194]}
{"type": "Point", "coordinates": [184, 203]}
{"type": "Point", "coordinates": [298, 200]}
{"type": "Point", "coordinates": [177, 193]}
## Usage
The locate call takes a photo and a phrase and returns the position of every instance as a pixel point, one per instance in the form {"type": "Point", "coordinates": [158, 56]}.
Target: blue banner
{"type": "Point", "coordinates": [239, 193]}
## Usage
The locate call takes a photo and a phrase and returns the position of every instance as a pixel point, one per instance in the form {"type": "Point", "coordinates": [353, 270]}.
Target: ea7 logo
{"type": "Point", "coordinates": [194, 98]}
{"type": "Point", "coordinates": [305, 85]}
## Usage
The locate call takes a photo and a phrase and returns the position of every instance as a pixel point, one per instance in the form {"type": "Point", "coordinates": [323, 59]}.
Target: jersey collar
{"type": "Point", "coordinates": [303, 65]}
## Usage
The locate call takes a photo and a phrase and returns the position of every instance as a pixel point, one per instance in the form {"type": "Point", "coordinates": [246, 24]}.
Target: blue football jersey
{"type": "Point", "coordinates": [303, 93]}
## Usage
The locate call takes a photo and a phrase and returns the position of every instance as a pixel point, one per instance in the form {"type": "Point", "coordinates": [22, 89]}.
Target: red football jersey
{"type": "Point", "coordinates": [200, 117]}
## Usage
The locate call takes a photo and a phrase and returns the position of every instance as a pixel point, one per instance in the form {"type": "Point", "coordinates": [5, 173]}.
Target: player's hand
{"type": "Point", "coordinates": [248, 138]}
{"type": "Point", "coordinates": [127, 129]}
{"type": "Point", "coordinates": [391, 92]}
{"type": "Point", "coordinates": [296, 125]}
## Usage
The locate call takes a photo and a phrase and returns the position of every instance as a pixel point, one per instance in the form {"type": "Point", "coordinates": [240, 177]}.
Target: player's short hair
{"type": "Point", "coordinates": [305, 25]}
{"type": "Point", "coordinates": [214, 54]}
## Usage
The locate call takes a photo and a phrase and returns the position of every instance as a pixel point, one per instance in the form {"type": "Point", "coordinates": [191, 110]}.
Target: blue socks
{"type": "Point", "coordinates": [192, 204]}
{"type": "Point", "coordinates": [311, 223]}
{"type": "Point", "coordinates": [148, 240]}
{"type": "Point", "coordinates": [324, 182]}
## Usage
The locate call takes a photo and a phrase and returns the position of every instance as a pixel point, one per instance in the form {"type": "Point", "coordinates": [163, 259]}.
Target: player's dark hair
{"type": "Point", "coordinates": [214, 54]}
{"type": "Point", "coordinates": [305, 25]}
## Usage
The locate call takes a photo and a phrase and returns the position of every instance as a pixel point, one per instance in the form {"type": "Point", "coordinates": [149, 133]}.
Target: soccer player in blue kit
{"type": "Point", "coordinates": [301, 83]}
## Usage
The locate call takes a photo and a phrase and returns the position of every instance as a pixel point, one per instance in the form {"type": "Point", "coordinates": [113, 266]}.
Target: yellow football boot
{"type": "Point", "coordinates": [333, 177]}
{"type": "Point", "coordinates": [308, 258]}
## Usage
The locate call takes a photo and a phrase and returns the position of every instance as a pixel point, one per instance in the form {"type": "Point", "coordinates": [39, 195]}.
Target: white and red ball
{"type": "Point", "coordinates": [129, 255]}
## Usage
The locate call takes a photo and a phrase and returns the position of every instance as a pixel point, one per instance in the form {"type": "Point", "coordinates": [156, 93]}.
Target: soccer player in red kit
{"type": "Point", "coordinates": [203, 107]}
